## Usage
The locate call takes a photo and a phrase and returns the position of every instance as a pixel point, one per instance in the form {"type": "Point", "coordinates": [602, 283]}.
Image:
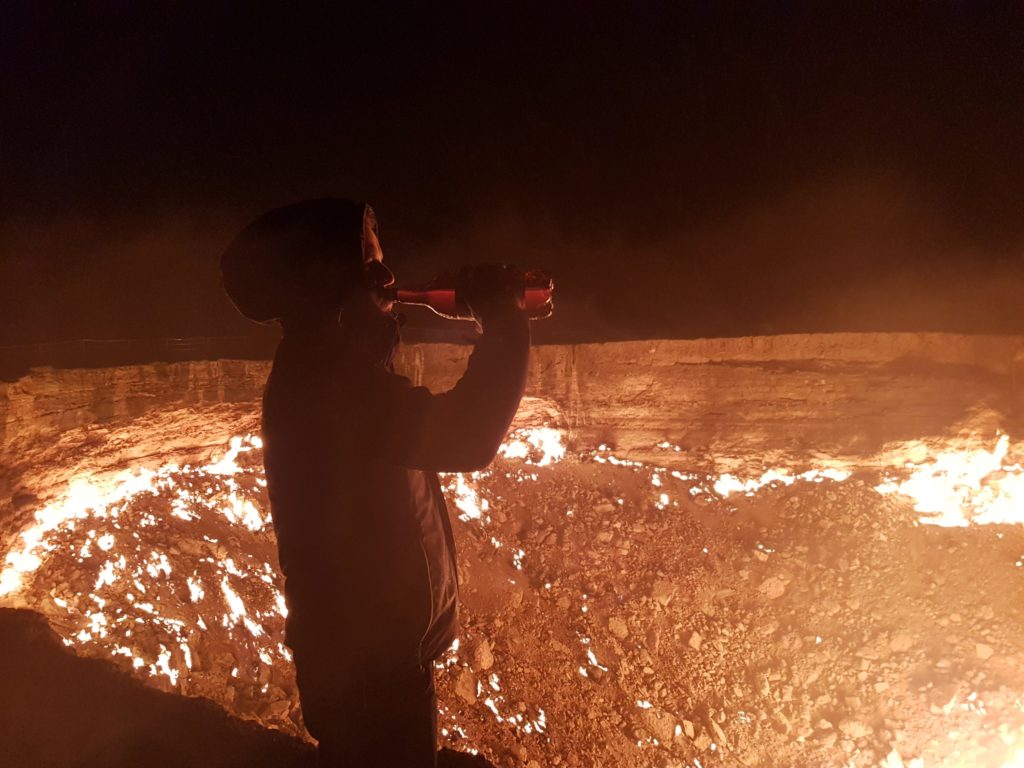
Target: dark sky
{"type": "Point", "coordinates": [682, 169]}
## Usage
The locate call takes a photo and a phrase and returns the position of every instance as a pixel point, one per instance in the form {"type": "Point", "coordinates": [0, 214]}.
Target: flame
{"type": "Point", "coordinates": [541, 446]}
{"type": "Point", "coordinates": [727, 484]}
{"type": "Point", "coordinates": [467, 500]}
{"type": "Point", "coordinates": [960, 488]}
{"type": "Point", "coordinates": [126, 537]}
{"type": "Point", "coordinates": [1015, 759]}
{"type": "Point", "coordinates": [130, 604]}
{"type": "Point", "coordinates": [122, 533]}
{"type": "Point", "coordinates": [954, 488]}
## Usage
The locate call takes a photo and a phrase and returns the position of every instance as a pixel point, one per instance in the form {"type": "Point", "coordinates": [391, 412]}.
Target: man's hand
{"type": "Point", "coordinates": [491, 290]}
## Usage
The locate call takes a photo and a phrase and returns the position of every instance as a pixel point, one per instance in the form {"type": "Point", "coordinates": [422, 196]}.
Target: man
{"type": "Point", "coordinates": [351, 453]}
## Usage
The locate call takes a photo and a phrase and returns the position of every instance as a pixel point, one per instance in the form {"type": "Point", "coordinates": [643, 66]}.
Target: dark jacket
{"type": "Point", "coordinates": [351, 453]}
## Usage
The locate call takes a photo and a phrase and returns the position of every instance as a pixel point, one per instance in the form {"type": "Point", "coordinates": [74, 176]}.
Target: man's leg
{"type": "Point", "coordinates": [368, 713]}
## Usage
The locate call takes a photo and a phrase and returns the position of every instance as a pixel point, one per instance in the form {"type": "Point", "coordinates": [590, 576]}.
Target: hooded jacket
{"type": "Point", "coordinates": [352, 451]}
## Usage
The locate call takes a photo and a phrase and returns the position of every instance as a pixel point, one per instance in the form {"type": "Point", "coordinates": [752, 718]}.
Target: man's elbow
{"type": "Point", "coordinates": [479, 456]}
{"type": "Point", "coordinates": [472, 451]}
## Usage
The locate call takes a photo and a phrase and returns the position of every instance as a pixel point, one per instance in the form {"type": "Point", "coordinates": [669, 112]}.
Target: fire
{"type": "Point", "coordinates": [727, 484]}
{"type": "Point", "coordinates": [139, 553]}
{"type": "Point", "coordinates": [541, 446]}
{"type": "Point", "coordinates": [151, 548]}
{"type": "Point", "coordinates": [467, 499]}
{"type": "Point", "coordinates": [178, 582]}
{"type": "Point", "coordinates": [960, 488]}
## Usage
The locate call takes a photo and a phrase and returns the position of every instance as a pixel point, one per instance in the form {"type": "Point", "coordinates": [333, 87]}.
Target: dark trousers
{"type": "Point", "coordinates": [367, 711]}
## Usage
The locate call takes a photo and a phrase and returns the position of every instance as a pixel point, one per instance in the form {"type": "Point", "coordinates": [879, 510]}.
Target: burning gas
{"type": "Point", "coordinates": [960, 488]}
{"type": "Point", "coordinates": [172, 573]}
{"type": "Point", "coordinates": [160, 568]}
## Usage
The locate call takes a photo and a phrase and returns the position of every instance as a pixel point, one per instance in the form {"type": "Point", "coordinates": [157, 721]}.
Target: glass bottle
{"type": "Point", "coordinates": [440, 295]}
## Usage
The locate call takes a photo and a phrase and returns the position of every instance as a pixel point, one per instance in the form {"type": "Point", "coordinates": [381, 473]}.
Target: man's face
{"type": "Point", "coordinates": [376, 275]}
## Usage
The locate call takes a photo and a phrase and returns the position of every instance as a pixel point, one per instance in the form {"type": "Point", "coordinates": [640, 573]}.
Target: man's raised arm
{"type": "Point", "coordinates": [462, 429]}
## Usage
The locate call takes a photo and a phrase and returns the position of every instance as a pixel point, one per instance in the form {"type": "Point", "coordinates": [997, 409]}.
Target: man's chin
{"type": "Point", "coordinates": [368, 316]}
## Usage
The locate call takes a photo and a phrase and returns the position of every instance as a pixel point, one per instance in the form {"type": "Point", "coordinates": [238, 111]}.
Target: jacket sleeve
{"type": "Point", "coordinates": [460, 430]}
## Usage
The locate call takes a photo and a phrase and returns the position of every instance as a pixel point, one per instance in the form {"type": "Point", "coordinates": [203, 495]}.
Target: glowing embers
{"type": "Point", "coordinates": [957, 488]}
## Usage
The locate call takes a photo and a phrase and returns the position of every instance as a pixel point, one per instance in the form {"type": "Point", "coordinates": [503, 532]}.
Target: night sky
{"type": "Point", "coordinates": [682, 170]}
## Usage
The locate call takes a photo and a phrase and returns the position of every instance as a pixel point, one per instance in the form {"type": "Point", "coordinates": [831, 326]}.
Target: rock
{"type": "Point", "coordinates": [653, 639]}
{"type": "Point", "coordinates": [854, 729]}
{"type": "Point", "coordinates": [695, 641]}
{"type": "Point", "coordinates": [769, 627]}
{"type": "Point", "coordinates": [618, 628]}
{"type": "Point", "coordinates": [277, 710]}
{"type": "Point", "coordinates": [663, 591]}
{"type": "Point", "coordinates": [720, 736]}
{"type": "Point", "coordinates": [942, 695]}
{"type": "Point", "coordinates": [465, 687]}
{"type": "Point", "coordinates": [983, 651]}
{"type": "Point", "coordinates": [773, 587]}
{"type": "Point", "coordinates": [483, 659]}
{"type": "Point", "coordinates": [702, 741]}
{"type": "Point", "coordinates": [781, 723]}
{"type": "Point", "coordinates": [660, 724]}
{"type": "Point", "coordinates": [903, 641]}
{"type": "Point", "coordinates": [688, 729]}
{"type": "Point", "coordinates": [826, 738]}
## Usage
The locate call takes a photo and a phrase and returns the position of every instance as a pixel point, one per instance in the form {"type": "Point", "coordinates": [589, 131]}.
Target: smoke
{"type": "Point", "coordinates": [863, 252]}
{"type": "Point", "coordinates": [73, 276]}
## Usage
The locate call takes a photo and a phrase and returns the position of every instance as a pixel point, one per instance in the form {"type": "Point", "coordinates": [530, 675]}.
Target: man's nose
{"type": "Point", "coordinates": [381, 275]}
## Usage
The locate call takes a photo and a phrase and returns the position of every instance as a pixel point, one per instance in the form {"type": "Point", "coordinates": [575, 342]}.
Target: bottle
{"type": "Point", "coordinates": [440, 295]}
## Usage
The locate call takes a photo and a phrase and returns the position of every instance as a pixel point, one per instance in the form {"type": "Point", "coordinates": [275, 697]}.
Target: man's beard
{"type": "Point", "coordinates": [373, 333]}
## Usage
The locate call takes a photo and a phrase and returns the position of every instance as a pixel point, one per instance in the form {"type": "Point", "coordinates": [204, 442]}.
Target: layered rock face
{"type": "Point", "coordinates": [688, 551]}
{"type": "Point", "coordinates": [845, 392]}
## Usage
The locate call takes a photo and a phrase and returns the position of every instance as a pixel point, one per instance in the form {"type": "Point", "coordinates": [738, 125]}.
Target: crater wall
{"type": "Point", "coordinates": [839, 393]}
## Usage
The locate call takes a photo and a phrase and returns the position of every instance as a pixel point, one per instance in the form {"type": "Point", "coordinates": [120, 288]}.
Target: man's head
{"type": "Point", "coordinates": [305, 260]}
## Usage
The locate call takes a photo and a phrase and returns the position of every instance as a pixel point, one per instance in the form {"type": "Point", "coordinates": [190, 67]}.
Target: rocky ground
{"type": "Point", "coordinates": [816, 624]}
{"type": "Point", "coordinates": [615, 613]}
